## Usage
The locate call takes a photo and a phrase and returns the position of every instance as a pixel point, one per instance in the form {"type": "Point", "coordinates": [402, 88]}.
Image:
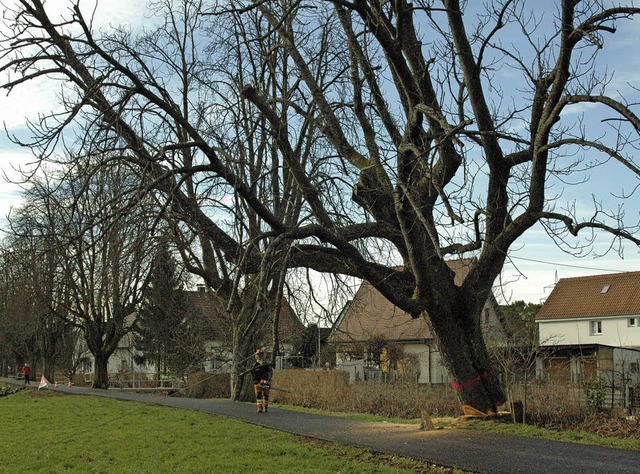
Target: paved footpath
{"type": "Point", "coordinates": [468, 450]}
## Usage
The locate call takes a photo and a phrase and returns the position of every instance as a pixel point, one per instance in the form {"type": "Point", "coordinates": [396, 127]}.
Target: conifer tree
{"type": "Point", "coordinates": [164, 334]}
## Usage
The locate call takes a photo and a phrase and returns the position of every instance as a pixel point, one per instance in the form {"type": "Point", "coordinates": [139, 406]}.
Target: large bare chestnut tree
{"type": "Point", "coordinates": [414, 132]}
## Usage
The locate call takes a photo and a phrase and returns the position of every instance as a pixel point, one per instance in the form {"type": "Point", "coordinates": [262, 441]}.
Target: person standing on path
{"type": "Point", "coordinates": [26, 371]}
{"type": "Point", "coordinates": [262, 373]}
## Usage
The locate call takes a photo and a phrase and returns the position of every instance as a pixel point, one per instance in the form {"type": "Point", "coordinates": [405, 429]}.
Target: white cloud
{"type": "Point", "coordinates": [27, 103]}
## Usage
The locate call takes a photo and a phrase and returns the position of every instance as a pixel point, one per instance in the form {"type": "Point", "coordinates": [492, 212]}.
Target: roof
{"type": "Point", "coordinates": [211, 307]}
{"type": "Point", "coordinates": [614, 294]}
{"type": "Point", "coordinates": [370, 314]}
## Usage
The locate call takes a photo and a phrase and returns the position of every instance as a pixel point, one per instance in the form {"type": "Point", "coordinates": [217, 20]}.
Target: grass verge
{"type": "Point", "coordinates": [495, 426]}
{"type": "Point", "coordinates": [570, 436]}
{"type": "Point", "coordinates": [49, 432]}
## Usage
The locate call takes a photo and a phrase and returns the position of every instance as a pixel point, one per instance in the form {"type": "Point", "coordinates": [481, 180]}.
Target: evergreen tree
{"type": "Point", "coordinates": [164, 334]}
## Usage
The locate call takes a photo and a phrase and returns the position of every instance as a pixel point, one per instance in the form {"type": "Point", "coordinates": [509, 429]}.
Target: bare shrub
{"type": "Point", "coordinates": [206, 385]}
{"type": "Point", "coordinates": [612, 427]}
{"type": "Point", "coordinates": [565, 407]}
{"type": "Point", "coordinates": [330, 390]}
{"type": "Point", "coordinates": [555, 405]}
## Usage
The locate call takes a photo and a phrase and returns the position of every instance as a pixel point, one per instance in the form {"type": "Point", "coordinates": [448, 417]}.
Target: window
{"type": "Point", "coordinates": [596, 327]}
{"type": "Point", "coordinates": [631, 322]}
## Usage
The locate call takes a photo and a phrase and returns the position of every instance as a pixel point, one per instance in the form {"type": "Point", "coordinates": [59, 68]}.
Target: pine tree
{"type": "Point", "coordinates": [163, 333]}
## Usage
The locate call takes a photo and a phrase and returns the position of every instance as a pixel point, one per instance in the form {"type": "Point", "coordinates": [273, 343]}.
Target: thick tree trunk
{"type": "Point", "coordinates": [48, 370]}
{"type": "Point", "coordinates": [240, 381]}
{"type": "Point", "coordinates": [100, 371]}
{"type": "Point", "coordinates": [463, 348]}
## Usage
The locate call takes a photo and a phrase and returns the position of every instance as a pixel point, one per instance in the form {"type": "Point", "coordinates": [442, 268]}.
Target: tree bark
{"type": "Point", "coordinates": [100, 371]}
{"type": "Point", "coordinates": [456, 324]}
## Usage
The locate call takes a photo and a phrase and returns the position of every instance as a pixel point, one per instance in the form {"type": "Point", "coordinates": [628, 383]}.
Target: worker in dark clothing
{"type": "Point", "coordinates": [262, 373]}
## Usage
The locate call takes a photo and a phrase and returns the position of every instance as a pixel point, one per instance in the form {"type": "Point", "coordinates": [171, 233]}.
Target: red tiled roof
{"type": "Point", "coordinates": [210, 306]}
{"type": "Point", "coordinates": [614, 294]}
{"type": "Point", "coordinates": [370, 314]}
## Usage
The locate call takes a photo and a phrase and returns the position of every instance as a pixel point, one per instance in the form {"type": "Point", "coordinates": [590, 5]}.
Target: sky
{"type": "Point", "coordinates": [535, 264]}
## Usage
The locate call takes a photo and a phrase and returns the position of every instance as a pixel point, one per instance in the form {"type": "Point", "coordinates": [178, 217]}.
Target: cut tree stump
{"type": "Point", "coordinates": [426, 424]}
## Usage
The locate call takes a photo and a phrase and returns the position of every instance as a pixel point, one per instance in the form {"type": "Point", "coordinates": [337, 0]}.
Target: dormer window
{"type": "Point", "coordinates": [604, 289]}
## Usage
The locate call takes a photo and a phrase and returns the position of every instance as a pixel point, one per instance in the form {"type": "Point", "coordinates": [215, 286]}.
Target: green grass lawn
{"type": "Point", "coordinates": [49, 432]}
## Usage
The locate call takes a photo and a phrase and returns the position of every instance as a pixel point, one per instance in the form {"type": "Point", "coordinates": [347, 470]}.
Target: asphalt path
{"type": "Point", "coordinates": [467, 450]}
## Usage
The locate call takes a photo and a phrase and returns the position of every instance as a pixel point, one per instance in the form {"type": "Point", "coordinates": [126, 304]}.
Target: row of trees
{"type": "Point", "coordinates": [77, 268]}
{"type": "Point", "coordinates": [364, 138]}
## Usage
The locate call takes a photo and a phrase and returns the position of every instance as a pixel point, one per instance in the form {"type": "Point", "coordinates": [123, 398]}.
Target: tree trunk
{"type": "Point", "coordinates": [235, 378]}
{"type": "Point", "coordinates": [48, 352]}
{"type": "Point", "coordinates": [476, 380]}
{"type": "Point", "coordinates": [240, 386]}
{"type": "Point", "coordinates": [48, 370]}
{"type": "Point", "coordinates": [100, 371]}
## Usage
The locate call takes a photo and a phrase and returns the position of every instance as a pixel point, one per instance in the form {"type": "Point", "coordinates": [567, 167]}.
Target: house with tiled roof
{"type": "Point", "coordinates": [591, 327]}
{"type": "Point", "coordinates": [209, 311]}
{"type": "Point", "coordinates": [370, 319]}
{"type": "Point", "coordinates": [207, 306]}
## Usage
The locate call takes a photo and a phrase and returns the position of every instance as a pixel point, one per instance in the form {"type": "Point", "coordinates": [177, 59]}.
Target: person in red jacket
{"type": "Point", "coordinates": [262, 372]}
{"type": "Point", "coordinates": [26, 371]}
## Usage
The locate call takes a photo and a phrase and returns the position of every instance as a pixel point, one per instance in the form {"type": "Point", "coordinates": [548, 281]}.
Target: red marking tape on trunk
{"type": "Point", "coordinates": [473, 381]}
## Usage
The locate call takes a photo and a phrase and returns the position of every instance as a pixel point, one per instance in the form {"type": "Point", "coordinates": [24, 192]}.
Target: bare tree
{"type": "Point", "coordinates": [100, 255]}
{"type": "Point", "coordinates": [413, 150]}
{"type": "Point", "coordinates": [37, 293]}
{"type": "Point", "coordinates": [18, 321]}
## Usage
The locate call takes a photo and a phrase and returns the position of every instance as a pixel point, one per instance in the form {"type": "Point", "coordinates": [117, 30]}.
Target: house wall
{"type": "Point", "coordinates": [423, 353]}
{"type": "Point", "coordinates": [123, 360]}
{"type": "Point", "coordinates": [616, 332]}
{"type": "Point", "coordinates": [439, 373]}
{"type": "Point", "coordinates": [430, 364]}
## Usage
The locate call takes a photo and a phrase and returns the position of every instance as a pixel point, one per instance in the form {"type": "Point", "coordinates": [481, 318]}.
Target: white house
{"type": "Point", "coordinates": [208, 307]}
{"type": "Point", "coordinates": [371, 317]}
{"type": "Point", "coordinates": [591, 327]}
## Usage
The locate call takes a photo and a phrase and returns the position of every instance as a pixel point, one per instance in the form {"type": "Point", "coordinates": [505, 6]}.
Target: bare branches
{"type": "Point", "coordinates": [574, 228]}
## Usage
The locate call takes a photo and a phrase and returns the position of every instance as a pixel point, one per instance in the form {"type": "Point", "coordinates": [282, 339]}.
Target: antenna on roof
{"type": "Point", "coordinates": [555, 282]}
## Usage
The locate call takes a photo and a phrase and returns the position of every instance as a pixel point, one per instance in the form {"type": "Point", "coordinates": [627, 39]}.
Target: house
{"type": "Point", "coordinates": [209, 307]}
{"type": "Point", "coordinates": [126, 358]}
{"type": "Point", "coordinates": [403, 343]}
{"type": "Point", "coordinates": [591, 329]}
{"type": "Point", "coordinates": [210, 312]}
